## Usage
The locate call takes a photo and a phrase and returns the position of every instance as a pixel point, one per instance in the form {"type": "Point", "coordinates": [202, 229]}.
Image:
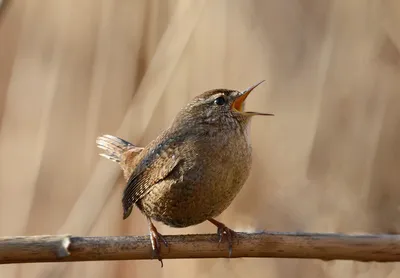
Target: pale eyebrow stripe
{"type": "Point", "coordinates": [211, 98]}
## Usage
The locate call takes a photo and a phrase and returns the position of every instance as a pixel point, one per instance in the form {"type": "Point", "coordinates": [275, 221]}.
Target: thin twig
{"type": "Point", "coordinates": [64, 248]}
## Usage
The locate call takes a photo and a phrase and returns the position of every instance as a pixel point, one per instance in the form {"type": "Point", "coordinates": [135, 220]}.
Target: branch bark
{"type": "Point", "coordinates": [65, 248]}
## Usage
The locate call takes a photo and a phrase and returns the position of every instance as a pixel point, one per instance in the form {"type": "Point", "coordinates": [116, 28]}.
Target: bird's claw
{"type": "Point", "coordinates": [155, 238]}
{"type": "Point", "coordinates": [229, 234]}
{"type": "Point", "coordinates": [224, 231]}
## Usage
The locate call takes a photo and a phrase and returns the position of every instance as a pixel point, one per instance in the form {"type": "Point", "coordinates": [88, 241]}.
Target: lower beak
{"type": "Point", "coordinates": [238, 103]}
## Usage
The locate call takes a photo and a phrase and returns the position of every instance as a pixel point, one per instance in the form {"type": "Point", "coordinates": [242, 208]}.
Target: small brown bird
{"type": "Point", "coordinates": [194, 169]}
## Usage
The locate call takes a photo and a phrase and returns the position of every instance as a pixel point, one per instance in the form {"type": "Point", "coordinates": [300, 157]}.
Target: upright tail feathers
{"type": "Point", "coordinates": [115, 147]}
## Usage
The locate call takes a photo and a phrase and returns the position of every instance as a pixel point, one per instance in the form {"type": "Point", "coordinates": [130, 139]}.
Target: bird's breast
{"type": "Point", "coordinates": [204, 185]}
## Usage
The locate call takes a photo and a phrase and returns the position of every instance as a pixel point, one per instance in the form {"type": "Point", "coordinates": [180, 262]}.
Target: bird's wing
{"type": "Point", "coordinates": [155, 166]}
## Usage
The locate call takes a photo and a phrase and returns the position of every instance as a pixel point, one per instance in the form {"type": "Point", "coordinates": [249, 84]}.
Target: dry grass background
{"type": "Point", "coordinates": [327, 162]}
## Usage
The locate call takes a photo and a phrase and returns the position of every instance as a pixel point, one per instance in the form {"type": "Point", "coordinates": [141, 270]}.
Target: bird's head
{"type": "Point", "coordinates": [220, 106]}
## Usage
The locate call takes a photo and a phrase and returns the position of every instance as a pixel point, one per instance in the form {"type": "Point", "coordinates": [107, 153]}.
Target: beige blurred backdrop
{"type": "Point", "coordinates": [327, 162]}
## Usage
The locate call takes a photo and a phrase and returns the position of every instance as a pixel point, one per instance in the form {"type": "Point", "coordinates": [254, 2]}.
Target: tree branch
{"type": "Point", "coordinates": [65, 248]}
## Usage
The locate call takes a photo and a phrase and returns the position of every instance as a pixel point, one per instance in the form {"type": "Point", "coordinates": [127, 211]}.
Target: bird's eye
{"type": "Point", "coordinates": [220, 101]}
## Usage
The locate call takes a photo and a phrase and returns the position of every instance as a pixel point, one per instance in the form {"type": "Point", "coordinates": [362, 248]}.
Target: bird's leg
{"type": "Point", "coordinates": [222, 231]}
{"type": "Point", "coordinates": [155, 238]}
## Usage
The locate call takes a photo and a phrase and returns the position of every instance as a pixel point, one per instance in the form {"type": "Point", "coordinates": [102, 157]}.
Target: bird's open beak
{"type": "Point", "coordinates": [238, 103]}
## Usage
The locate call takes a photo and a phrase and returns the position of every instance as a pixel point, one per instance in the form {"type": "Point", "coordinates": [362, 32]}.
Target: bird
{"type": "Point", "coordinates": [193, 170]}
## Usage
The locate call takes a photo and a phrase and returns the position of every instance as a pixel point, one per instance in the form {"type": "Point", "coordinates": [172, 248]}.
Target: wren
{"type": "Point", "coordinates": [194, 169]}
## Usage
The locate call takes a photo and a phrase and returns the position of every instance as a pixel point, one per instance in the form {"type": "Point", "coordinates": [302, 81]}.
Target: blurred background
{"type": "Point", "coordinates": [327, 162]}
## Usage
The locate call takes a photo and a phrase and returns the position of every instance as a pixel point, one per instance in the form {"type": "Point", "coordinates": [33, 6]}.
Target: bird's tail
{"type": "Point", "coordinates": [115, 148]}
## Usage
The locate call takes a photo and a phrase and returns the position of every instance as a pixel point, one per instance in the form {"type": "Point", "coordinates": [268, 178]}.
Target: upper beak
{"type": "Point", "coordinates": [238, 103]}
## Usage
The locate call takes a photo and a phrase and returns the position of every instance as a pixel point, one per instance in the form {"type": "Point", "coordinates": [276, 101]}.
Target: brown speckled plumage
{"type": "Point", "coordinates": [193, 170]}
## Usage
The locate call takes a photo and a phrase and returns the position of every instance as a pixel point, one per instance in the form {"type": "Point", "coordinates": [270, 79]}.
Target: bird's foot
{"type": "Point", "coordinates": [155, 238]}
{"type": "Point", "coordinates": [224, 231]}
